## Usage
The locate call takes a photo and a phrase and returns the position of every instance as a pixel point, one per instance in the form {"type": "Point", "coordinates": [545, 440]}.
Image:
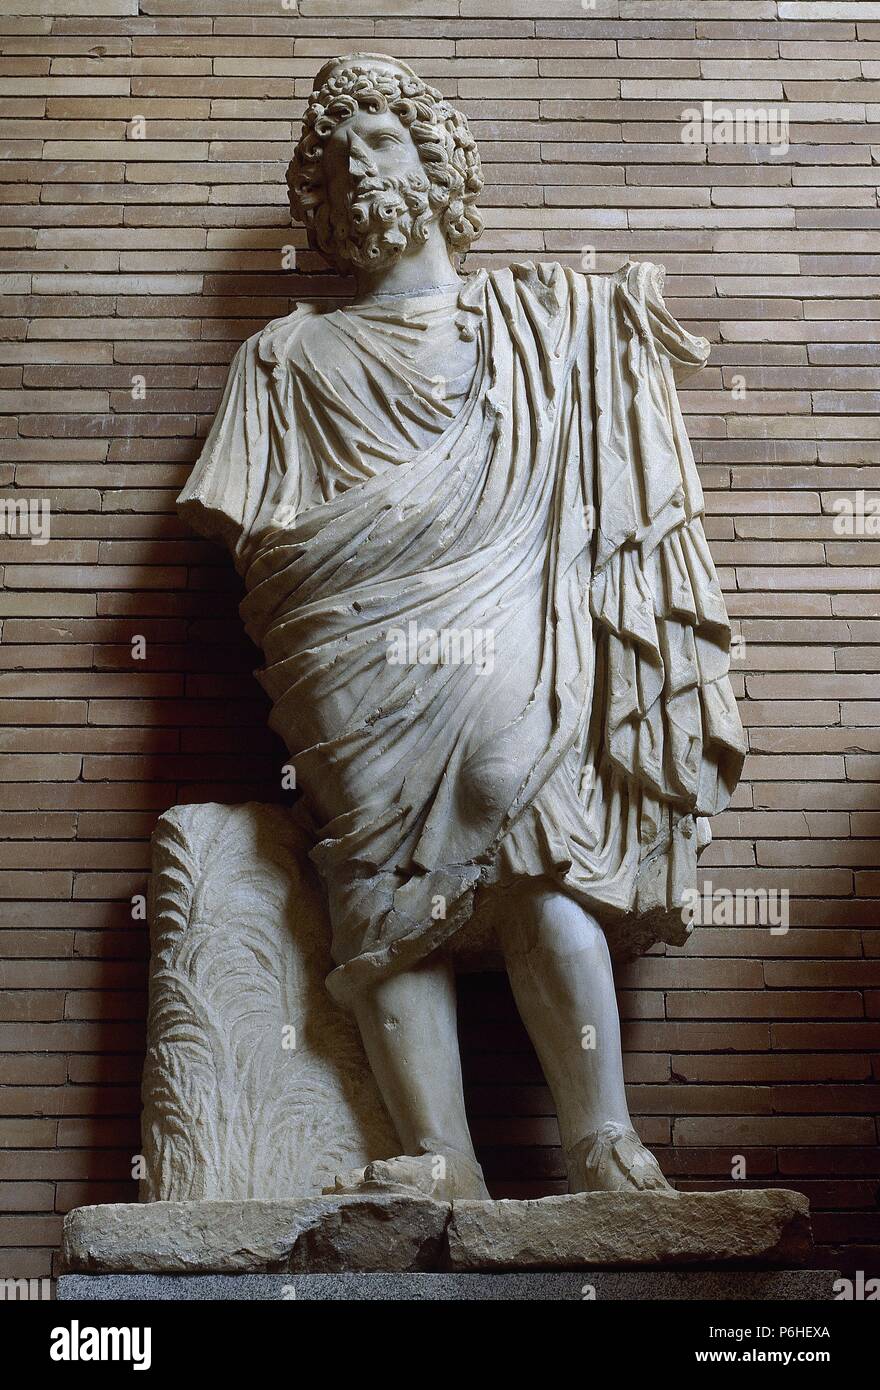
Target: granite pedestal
{"type": "Point", "coordinates": [778, 1285]}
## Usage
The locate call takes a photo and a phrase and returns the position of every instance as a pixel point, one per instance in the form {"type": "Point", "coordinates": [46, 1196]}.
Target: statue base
{"type": "Point", "coordinates": [664, 1285]}
{"type": "Point", "coordinates": [395, 1233]}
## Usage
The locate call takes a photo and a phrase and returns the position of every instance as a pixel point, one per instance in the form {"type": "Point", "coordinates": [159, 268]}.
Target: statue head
{"type": "Point", "coordinates": [382, 156]}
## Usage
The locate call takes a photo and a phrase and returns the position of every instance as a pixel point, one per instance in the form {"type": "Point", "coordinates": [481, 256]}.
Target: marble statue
{"type": "Point", "coordinates": [468, 521]}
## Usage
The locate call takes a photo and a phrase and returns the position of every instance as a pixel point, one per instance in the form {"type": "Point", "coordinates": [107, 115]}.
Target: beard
{"type": "Point", "coordinates": [382, 219]}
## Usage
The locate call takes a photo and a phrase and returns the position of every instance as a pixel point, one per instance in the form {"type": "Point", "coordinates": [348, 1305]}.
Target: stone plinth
{"type": "Point", "coordinates": [393, 1233]}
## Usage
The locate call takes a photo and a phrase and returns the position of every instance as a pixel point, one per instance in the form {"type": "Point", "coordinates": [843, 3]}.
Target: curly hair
{"type": "Point", "coordinates": [441, 135]}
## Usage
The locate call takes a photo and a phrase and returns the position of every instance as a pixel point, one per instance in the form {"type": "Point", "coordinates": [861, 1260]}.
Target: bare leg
{"type": "Point", "coordinates": [408, 1027]}
{"type": "Point", "coordinates": [560, 971]}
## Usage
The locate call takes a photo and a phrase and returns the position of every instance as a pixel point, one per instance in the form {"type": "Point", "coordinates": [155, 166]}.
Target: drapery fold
{"type": "Point", "coordinates": [547, 497]}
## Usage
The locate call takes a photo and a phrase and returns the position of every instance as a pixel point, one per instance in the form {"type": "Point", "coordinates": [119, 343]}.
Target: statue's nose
{"type": "Point", "coordinates": [360, 165]}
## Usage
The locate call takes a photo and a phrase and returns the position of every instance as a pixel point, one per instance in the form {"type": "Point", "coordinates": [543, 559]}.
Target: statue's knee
{"type": "Point", "coordinates": [565, 927]}
{"type": "Point", "coordinates": [545, 919]}
{"type": "Point", "coordinates": [487, 785]}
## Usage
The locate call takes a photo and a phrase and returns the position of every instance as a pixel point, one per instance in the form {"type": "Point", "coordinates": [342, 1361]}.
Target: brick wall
{"type": "Point", "coordinates": [154, 257]}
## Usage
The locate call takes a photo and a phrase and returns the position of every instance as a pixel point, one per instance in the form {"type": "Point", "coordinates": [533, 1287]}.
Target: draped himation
{"type": "Point", "coordinates": [508, 463]}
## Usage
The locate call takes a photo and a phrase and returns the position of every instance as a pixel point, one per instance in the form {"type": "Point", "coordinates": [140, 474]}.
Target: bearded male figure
{"type": "Point", "coordinates": [497, 453]}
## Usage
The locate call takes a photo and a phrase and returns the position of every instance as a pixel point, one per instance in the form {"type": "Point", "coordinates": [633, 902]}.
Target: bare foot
{"type": "Point", "coordinates": [443, 1176]}
{"type": "Point", "coordinates": [614, 1159]}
